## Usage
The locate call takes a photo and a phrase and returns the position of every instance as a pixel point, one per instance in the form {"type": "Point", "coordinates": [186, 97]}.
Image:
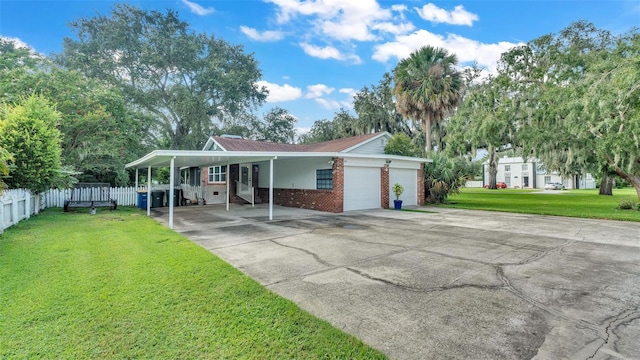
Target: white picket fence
{"type": "Point", "coordinates": [125, 196]}
{"type": "Point", "coordinates": [18, 205]}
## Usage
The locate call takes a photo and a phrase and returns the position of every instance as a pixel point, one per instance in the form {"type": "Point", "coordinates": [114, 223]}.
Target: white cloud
{"type": "Point", "coordinates": [395, 29]}
{"type": "Point", "coordinates": [197, 8]}
{"type": "Point", "coordinates": [328, 104]}
{"type": "Point", "coordinates": [342, 20]}
{"type": "Point", "coordinates": [21, 44]}
{"type": "Point", "coordinates": [399, 7]}
{"type": "Point", "coordinates": [302, 130]}
{"type": "Point", "coordinates": [349, 91]}
{"type": "Point", "coordinates": [328, 52]}
{"type": "Point", "coordinates": [317, 90]}
{"type": "Point", "coordinates": [16, 42]}
{"type": "Point", "coordinates": [459, 16]}
{"type": "Point", "coordinates": [280, 93]}
{"type": "Point", "coordinates": [268, 35]}
{"type": "Point", "coordinates": [467, 50]}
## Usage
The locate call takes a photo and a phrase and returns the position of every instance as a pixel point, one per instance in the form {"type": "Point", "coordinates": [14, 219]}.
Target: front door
{"type": "Point", "coordinates": [244, 183]}
{"type": "Point", "coordinates": [525, 181]}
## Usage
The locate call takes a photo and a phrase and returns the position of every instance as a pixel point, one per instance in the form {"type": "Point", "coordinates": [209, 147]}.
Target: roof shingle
{"type": "Point", "coordinates": [337, 145]}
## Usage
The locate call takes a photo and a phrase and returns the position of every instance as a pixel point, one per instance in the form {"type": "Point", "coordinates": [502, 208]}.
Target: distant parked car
{"type": "Point", "coordinates": [553, 186]}
{"type": "Point", "coordinates": [499, 185]}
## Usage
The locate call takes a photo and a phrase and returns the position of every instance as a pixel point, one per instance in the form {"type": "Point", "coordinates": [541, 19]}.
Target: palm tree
{"type": "Point", "coordinates": [428, 86]}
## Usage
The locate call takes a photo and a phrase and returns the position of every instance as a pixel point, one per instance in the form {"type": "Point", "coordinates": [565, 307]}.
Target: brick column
{"type": "Point", "coordinates": [384, 186]}
{"type": "Point", "coordinates": [338, 185]}
{"type": "Point", "coordinates": [421, 185]}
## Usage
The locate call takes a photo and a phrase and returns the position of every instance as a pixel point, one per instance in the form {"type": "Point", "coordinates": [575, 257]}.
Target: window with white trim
{"type": "Point", "coordinates": [218, 173]}
{"type": "Point", "coordinates": [324, 179]}
{"type": "Point", "coordinates": [507, 168]}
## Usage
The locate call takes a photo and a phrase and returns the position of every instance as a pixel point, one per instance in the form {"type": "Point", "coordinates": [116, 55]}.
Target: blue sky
{"type": "Point", "coordinates": [315, 55]}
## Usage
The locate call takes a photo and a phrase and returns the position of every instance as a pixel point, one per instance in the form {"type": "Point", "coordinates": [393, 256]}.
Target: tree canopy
{"type": "Point", "coordinates": [427, 87]}
{"type": "Point", "coordinates": [29, 132]}
{"type": "Point", "coordinates": [186, 82]}
{"type": "Point", "coordinates": [100, 132]}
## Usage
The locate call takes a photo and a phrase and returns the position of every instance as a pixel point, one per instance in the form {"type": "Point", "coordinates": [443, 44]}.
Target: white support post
{"type": "Point", "coordinates": [135, 194]}
{"type": "Point", "coordinates": [172, 176]}
{"type": "Point", "coordinates": [270, 189]}
{"type": "Point", "coordinates": [228, 180]}
{"type": "Point", "coordinates": [149, 191]}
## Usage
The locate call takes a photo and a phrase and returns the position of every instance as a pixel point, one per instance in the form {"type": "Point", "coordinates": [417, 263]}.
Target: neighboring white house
{"type": "Point", "coordinates": [517, 173]}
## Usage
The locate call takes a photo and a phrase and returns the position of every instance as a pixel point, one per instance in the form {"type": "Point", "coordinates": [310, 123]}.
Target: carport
{"type": "Point", "coordinates": [178, 159]}
{"type": "Point", "coordinates": [189, 158]}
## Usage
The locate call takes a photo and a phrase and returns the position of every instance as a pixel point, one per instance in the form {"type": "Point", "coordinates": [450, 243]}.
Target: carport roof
{"type": "Point", "coordinates": [197, 158]}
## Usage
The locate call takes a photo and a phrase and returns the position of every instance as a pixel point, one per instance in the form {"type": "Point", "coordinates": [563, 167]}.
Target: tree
{"type": "Point", "coordinates": [401, 144]}
{"type": "Point", "coordinates": [322, 130]}
{"type": "Point", "coordinates": [613, 121]}
{"type": "Point", "coordinates": [427, 87]}
{"type": "Point", "coordinates": [186, 81]}
{"type": "Point", "coordinates": [551, 82]}
{"type": "Point", "coordinates": [5, 157]}
{"type": "Point", "coordinates": [277, 125]}
{"type": "Point", "coordinates": [29, 131]}
{"type": "Point", "coordinates": [376, 109]}
{"type": "Point", "coordinates": [445, 176]}
{"type": "Point", "coordinates": [100, 133]}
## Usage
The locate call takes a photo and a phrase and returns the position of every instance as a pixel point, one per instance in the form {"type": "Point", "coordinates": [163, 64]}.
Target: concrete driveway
{"type": "Point", "coordinates": [444, 285]}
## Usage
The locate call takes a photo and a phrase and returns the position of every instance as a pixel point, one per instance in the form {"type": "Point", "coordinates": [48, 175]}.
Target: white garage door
{"type": "Point", "coordinates": [408, 178]}
{"type": "Point", "coordinates": [361, 188]}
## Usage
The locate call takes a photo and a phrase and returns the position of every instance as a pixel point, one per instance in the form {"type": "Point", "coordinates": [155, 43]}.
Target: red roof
{"type": "Point", "coordinates": [231, 144]}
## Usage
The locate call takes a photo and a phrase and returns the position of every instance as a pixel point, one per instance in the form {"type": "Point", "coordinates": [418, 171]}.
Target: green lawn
{"type": "Point", "coordinates": [574, 203]}
{"type": "Point", "coordinates": [119, 285]}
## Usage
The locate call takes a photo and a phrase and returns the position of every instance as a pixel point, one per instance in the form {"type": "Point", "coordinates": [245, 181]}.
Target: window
{"type": "Point", "coordinates": [217, 173]}
{"type": "Point", "coordinates": [525, 167]}
{"type": "Point", "coordinates": [547, 179]}
{"type": "Point", "coordinates": [324, 179]}
{"type": "Point", "coordinates": [507, 168]}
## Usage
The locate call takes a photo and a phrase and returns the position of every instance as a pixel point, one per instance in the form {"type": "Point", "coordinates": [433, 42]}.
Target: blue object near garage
{"type": "Point", "coordinates": [142, 200]}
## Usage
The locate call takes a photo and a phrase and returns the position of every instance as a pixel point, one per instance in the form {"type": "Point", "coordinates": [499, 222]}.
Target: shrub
{"type": "Point", "coordinates": [628, 204]}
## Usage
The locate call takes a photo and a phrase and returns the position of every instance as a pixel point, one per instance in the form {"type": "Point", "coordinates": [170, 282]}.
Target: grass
{"type": "Point", "coordinates": [573, 203]}
{"type": "Point", "coordinates": [120, 285]}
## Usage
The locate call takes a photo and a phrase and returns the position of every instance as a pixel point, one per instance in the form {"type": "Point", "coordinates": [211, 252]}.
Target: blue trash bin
{"type": "Point", "coordinates": [142, 200]}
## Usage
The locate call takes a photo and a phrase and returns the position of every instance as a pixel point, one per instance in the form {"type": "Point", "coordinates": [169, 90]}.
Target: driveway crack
{"type": "Point", "coordinates": [623, 318]}
{"type": "Point", "coordinates": [420, 290]}
{"type": "Point", "coordinates": [315, 256]}
{"type": "Point", "coordinates": [507, 284]}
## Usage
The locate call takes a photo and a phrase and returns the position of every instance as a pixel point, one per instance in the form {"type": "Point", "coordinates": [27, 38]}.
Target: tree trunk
{"type": "Point", "coordinates": [493, 167]}
{"type": "Point", "coordinates": [606, 184]}
{"type": "Point", "coordinates": [427, 132]}
{"type": "Point", "coordinates": [631, 178]}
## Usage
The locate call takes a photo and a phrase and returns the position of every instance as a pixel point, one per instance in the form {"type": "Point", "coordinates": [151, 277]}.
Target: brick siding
{"type": "Point", "coordinates": [323, 200]}
{"type": "Point", "coordinates": [384, 186]}
{"type": "Point", "coordinates": [421, 193]}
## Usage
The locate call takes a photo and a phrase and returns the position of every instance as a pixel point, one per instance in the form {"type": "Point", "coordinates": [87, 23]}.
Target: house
{"type": "Point", "coordinates": [335, 176]}
{"type": "Point", "coordinates": [517, 173]}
